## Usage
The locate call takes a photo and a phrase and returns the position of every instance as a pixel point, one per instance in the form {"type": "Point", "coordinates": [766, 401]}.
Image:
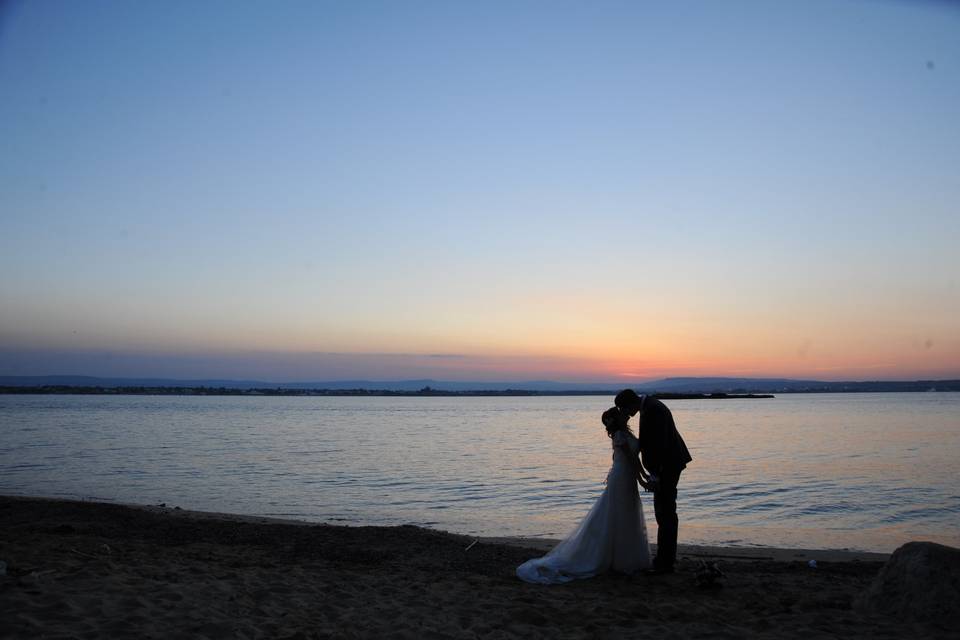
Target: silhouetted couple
{"type": "Point", "coordinates": [613, 535]}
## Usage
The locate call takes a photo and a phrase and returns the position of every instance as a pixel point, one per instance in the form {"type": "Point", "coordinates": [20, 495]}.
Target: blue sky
{"type": "Point", "coordinates": [561, 190]}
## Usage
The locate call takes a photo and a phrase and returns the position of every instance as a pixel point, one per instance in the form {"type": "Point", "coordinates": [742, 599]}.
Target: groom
{"type": "Point", "coordinates": [664, 455]}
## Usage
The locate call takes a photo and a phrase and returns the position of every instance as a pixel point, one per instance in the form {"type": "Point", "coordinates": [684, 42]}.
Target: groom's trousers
{"type": "Point", "coordinates": [665, 508]}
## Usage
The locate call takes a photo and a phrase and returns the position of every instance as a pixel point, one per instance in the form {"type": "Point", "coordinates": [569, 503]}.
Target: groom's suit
{"type": "Point", "coordinates": [665, 454]}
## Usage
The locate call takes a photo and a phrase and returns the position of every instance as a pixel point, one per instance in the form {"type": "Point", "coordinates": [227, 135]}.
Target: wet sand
{"type": "Point", "coordinates": [95, 570]}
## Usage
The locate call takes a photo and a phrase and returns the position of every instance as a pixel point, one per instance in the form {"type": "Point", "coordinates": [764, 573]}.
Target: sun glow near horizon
{"type": "Point", "coordinates": [309, 365]}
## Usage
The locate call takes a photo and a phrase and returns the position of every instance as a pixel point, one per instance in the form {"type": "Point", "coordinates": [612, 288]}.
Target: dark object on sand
{"type": "Point", "coordinates": [920, 582]}
{"type": "Point", "coordinates": [708, 574]}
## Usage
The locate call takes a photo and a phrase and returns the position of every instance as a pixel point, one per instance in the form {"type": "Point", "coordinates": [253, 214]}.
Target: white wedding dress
{"type": "Point", "coordinates": [612, 536]}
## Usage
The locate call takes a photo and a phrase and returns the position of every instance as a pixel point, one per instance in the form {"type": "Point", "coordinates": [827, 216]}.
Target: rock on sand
{"type": "Point", "coordinates": [920, 582]}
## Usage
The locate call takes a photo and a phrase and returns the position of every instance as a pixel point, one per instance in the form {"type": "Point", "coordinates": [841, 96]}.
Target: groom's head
{"type": "Point", "coordinates": [628, 402]}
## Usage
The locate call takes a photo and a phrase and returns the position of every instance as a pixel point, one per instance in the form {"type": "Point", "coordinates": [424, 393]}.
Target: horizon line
{"type": "Point", "coordinates": [620, 383]}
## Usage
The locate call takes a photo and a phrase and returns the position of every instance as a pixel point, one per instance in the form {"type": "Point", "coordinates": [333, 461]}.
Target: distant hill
{"type": "Point", "coordinates": [786, 385]}
{"type": "Point", "coordinates": [667, 385]}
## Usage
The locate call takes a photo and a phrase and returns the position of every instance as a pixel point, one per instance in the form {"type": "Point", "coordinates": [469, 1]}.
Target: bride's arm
{"type": "Point", "coordinates": [635, 457]}
{"type": "Point", "coordinates": [643, 477]}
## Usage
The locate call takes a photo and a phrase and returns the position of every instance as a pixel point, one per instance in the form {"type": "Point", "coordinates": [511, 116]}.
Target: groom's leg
{"type": "Point", "coordinates": [665, 509]}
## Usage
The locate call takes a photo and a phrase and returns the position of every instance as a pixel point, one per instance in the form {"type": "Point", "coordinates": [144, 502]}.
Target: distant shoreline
{"type": "Point", "coordinates": [425, 392]}
{"type": "Point", "coordinates": [667, 388]}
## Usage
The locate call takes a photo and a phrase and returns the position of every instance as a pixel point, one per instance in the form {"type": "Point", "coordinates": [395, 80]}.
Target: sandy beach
{"type": "Point", "coordinates": [95, 570]}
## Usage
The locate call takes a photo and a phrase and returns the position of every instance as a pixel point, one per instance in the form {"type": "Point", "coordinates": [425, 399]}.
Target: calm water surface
{"type": "Point", "coordinates": [858, 471]}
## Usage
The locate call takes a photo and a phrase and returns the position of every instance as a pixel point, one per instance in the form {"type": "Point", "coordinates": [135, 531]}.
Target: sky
{"type": "Point", "coordinates": [572, 191]}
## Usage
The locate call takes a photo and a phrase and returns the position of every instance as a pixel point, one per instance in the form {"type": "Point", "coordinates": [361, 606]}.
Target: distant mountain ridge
{"type": "Point", "coordinates": [665, 385]}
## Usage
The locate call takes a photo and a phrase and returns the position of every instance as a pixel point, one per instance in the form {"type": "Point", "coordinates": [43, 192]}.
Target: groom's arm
{"type": "Point", "coordinates": [661, 425]}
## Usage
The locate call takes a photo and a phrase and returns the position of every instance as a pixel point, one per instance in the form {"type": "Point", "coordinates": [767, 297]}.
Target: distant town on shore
{"type": "Point", "coordinates": [668, 388]}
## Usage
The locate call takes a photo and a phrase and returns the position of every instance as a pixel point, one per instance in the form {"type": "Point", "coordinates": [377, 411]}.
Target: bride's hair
{"type": "Point", "coordinates": [614, 421]}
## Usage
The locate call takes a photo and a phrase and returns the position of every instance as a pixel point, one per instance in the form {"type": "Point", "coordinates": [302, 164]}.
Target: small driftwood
{"type": "Point", "coordinates": [708, 575]}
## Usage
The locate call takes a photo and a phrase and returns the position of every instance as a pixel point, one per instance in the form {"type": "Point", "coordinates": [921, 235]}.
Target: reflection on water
{"type": "Point", "coordinates": [863, 471]}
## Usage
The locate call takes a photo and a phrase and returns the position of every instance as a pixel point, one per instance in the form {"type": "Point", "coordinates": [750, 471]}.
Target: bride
{"type": "Point", "coordinates": [613, 535]}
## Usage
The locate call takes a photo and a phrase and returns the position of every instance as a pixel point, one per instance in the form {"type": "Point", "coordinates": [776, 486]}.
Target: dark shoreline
{"type": "Point", "coordinates": [426, 392]}
{"type": "Point", "coordinates": [86, 569]}
{"type": "Point", "coordinates": [668, 388]}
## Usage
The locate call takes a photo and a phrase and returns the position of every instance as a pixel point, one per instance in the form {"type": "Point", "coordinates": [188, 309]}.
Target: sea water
{"type": "Point", "coordinates": [856, 471]}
